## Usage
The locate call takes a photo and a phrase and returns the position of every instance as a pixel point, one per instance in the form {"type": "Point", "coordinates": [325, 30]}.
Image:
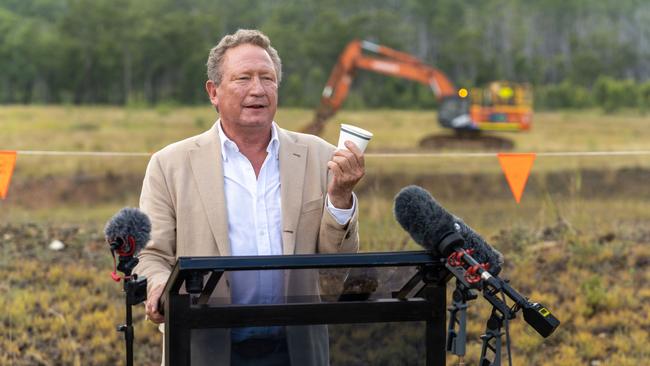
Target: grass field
{"type": "Point", "coordinates": [578, 242]}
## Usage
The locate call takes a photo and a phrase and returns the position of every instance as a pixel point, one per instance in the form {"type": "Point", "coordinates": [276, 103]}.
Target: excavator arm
{"type": "Point", "coordinates": [392, 63]}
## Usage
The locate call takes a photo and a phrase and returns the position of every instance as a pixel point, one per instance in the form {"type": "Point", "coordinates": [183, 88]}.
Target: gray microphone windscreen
{"type": "Point", "coordinates": [129, 222]}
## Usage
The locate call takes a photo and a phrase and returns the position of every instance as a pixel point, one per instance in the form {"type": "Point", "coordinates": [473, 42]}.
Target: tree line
{"type": "Point", "coordinates": [578, 53]}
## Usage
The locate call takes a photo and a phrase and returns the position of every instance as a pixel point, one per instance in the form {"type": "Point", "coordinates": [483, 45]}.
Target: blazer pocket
{"type": "Point", "coordinates": [313, 205]}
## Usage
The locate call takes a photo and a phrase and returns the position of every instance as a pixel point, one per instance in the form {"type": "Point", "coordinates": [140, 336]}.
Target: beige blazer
{"type": "Point", "coordinates": [183, 195]}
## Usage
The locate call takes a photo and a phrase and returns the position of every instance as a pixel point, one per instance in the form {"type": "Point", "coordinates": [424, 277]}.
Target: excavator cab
{"type": "Point", "coordinates": [454, 112]}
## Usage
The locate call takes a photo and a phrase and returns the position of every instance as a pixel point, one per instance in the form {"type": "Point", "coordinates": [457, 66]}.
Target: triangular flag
{"type": "Point", "coordinates": [516, 168]}
{"type": "Point", "coordinates": [7, 163]}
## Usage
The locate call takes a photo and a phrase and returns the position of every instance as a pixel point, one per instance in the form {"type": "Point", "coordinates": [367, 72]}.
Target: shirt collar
{"type": "Point", "coordinates": [229, 147]}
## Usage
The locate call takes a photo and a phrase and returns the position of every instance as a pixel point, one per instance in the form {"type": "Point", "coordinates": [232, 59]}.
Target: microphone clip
{"type": "Point", "coordinates": [124, 262]}
{"type": "Point", "coordinates": [455, 259]}
{"type": "Point", "coordinates": [464, 264]}
{"type": "Point", "coordinates": [123, 247]}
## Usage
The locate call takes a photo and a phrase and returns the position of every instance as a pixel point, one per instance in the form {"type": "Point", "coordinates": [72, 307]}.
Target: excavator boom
{"type": "Point", "coordinates": [392, 63]}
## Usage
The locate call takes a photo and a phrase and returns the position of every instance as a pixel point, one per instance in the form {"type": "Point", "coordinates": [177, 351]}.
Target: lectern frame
{"type": "Point", "coordinates": [422, 298]}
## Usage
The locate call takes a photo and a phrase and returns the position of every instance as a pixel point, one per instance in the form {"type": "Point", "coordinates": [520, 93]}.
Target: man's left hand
{"type": "Point", "coordinates": [348, 168]}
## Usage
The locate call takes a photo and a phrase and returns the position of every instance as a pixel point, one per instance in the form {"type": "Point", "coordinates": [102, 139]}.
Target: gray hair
{"type": "Point", "coordinates": [242, 36]}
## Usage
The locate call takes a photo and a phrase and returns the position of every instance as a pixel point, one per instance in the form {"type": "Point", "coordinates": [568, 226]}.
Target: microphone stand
{"type": "Point", "coordinates": [135, 289]}
{"type": "Point", "coordinates": [457, 337]}
{"type": "Point", "coordinates": [493, 334]}
{"type": "Point", "coordinates": [470, 274]}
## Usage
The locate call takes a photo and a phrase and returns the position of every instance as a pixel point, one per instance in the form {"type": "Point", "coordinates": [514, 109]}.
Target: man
{"type": "Point", "coordinates": [248, 187]}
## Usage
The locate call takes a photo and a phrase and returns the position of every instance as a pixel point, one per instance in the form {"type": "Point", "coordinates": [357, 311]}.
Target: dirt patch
{"type": "Point", "coordinates": [466, 142]}
{"type": "Point", "coordinates": [625, 182]}
{"type": "Point", "coordinates": [83, 189]}
{"type": "Point", "coordinates": [79, 189]}
{"type": "Point", "coordinates": [30, 240]}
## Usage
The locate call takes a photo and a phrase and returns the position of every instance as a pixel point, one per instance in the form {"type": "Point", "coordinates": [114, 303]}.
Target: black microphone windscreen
{"type": "Point", "coordinates": [429, 223]}
{"type": "Point", "coordinates": [129, 222]}
{"type": "Point", "coordinates": [419, 214]}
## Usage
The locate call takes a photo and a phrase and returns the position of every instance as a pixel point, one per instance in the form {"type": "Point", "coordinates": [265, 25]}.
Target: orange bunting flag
{"type": "Point", "coordinates": [516, 168]}
{"type": "Point", "coordinates": [7, 163]}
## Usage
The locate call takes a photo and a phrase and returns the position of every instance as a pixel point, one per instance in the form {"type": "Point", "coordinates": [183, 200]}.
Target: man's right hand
{"type": "Point", "coordinates": [151, 306]}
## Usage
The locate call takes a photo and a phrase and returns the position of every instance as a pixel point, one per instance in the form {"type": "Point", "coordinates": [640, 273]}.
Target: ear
{"type": "Point", "coordinates": [211, 89]}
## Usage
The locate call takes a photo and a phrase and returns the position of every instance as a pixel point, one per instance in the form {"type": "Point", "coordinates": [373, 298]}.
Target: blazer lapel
{"type": "Point", "coordinates": [293, 161]}
{"type": "Point", "coordinates": [207, 168]}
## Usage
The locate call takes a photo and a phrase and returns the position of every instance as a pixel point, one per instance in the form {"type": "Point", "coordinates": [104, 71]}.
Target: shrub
{"type": "Point", "coordinates": [613, 95]}
{"type": "Point", "coordinates": [595, 294]}
{"type": "Point", "coordinates": [563, 95]}
{"type": "Point", "coordinates": [644, 97]}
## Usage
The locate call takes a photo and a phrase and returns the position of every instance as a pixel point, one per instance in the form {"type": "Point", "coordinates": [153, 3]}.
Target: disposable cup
{"type": "Point", "coordinates": [359, 136]}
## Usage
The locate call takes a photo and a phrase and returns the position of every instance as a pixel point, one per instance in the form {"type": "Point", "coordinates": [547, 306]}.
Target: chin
{"type": "Point", "coordinates": [259, 120]}
{"type": "Point", "coordinates": [256, 123]}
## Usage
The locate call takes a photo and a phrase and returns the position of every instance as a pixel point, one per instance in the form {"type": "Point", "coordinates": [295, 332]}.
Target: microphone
{"type": "Point", "coordinates": [432, 227]}
{"type": "Point", "coordinates": [127, 233]}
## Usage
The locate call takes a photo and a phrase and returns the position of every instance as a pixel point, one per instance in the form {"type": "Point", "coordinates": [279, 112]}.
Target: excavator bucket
{"type": "Point", "coordinates": [322, 115]}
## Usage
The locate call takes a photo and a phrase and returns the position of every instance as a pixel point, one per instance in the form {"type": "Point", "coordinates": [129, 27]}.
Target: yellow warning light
{"type": "Point", "coordinates": [462, 92]}
{"type": "Point", "coordinates": [506, 92]}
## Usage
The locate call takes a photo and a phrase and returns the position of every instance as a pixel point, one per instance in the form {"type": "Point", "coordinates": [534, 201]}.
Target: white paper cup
{"type": "Point", "coordinates": [359, 136]}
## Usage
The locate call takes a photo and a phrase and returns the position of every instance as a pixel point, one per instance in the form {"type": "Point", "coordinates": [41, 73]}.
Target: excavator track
{"type": "Point", "coordinates": [466, 140]}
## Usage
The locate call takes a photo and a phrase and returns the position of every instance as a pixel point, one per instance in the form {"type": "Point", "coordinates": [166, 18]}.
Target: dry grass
{"type": "Point", "coordinates": [578, 242]}
{"type": "Point", "coordinates": [147, 130]}
{"type": "Point", "coordinates": [103, 128]}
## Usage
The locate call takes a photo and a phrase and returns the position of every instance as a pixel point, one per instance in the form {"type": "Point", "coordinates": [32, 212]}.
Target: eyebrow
{"type": "Point", "coordinates": [250, 72]}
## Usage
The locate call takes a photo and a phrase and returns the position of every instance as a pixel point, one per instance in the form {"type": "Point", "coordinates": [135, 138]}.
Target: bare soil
{"type": "Point", "coordinates": [83, 189]}
{"type": "Point", "coordinates": [624, 182]}
{"type": "Point", "coordinates": [79, 189]}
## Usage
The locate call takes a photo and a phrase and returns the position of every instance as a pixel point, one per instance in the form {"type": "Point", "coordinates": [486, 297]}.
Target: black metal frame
{"type": "Point", "coordinates": [182, 314]}
{"type": "Point", "coordinates": [135, 289]}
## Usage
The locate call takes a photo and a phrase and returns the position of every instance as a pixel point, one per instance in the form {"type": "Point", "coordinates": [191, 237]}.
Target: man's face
{"type": "Point", "coordinates": [247, 96]}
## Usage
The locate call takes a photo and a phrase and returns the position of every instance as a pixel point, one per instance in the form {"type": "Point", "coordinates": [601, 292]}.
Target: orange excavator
{"type": "Point", "coordinates": [502, 106]}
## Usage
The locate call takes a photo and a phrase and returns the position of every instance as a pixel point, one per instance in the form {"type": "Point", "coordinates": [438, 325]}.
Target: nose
{"type": "Point", "coordinates": [256, 86]}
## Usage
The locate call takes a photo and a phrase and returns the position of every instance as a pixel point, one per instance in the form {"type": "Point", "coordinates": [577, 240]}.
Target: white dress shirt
{"type": "Point", "coordinates": [254, 213]}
